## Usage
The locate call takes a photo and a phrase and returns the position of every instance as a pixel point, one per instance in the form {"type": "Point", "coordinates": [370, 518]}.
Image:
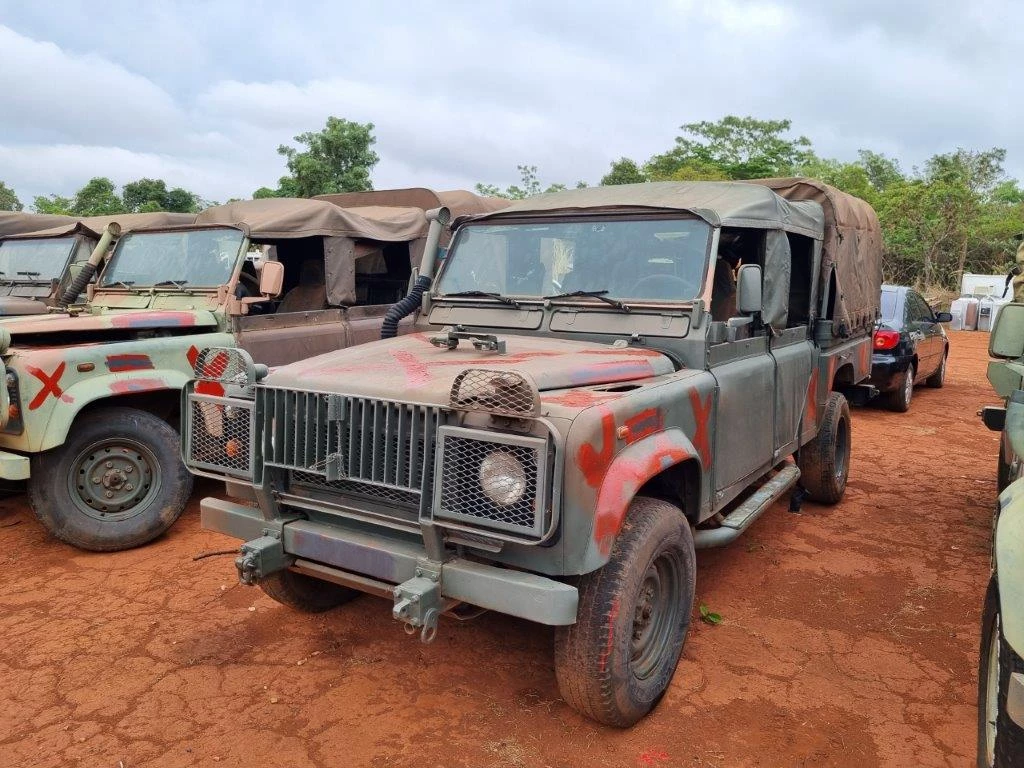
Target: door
{"type": "Point", "coordinates": [927, 332]}
{"type": "Point", "coordinates": [794, 356]}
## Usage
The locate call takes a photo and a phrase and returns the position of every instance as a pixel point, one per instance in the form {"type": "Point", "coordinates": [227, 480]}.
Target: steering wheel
{"type": "Point", "coordinates": [664, 287]}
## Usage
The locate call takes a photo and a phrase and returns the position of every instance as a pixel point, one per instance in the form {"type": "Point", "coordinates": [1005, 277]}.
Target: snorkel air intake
{"type": "Point", "coordinates": [438, 218]}
{"type": "Point", "coordinates": [77, 285]}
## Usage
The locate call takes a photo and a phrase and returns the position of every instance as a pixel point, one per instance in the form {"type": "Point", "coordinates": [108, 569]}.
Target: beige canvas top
{"type": "Point", "coordinates": [282, 218]}
{"type": "Point", "coordinates": [720, 203]}
{"type": "Point", "coordinates": [852, 250]}
{"type": "Point", "coordinates": [16, 222]}
{"type": "Point", "coordinates": [93, 226]}
{"type": "Point", "coordinates": [459, 201]}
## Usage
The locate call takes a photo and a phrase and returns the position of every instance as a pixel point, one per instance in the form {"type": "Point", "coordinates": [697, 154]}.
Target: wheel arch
{"type": "Point", "coordinates": [156, 392]}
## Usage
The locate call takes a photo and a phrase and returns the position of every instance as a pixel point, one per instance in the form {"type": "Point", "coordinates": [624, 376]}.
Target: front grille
{"type": "Point", "coordinates": [460, 494]}
{"type": "Point", "coordinates": [352, 445]}
{"type": "Point", "coordinates": [219, 435]}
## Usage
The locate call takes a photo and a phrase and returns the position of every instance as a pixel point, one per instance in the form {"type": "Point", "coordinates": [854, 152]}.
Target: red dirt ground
{"type": "Point", "coordinates": [849, 638]}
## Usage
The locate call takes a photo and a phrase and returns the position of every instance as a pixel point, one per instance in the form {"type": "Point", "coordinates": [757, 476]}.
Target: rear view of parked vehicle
{"type": "Point", "coordinates": [910, 346]}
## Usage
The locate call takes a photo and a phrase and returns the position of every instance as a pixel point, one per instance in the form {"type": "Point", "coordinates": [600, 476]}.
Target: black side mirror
{"type": "Point", "coordinates": [943, 317]}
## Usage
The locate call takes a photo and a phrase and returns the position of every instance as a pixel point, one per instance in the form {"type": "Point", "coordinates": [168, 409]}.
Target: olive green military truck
{"type": "Point", "coordinates": [599, 382]}
{"type": "Point", "coordinates": [1001, 668]}
{"type": "Point", "coordinates": [90, 412]}
{"type": "Point", "coordinates": [39, 257]}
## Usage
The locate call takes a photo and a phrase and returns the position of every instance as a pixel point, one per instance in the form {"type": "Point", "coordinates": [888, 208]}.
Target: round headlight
{"type": "Point", "coordinates": [502, 478]}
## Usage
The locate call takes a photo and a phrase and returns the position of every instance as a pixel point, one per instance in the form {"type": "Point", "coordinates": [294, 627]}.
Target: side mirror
{"type": "Point", "coordinates": [748, 289]}
{"type": "Point", "coordinates": [1007, 339]}
{"type": "Point", "coordinates": [271, 278]}
{"type": "Point", "coordinates": [943, 317]}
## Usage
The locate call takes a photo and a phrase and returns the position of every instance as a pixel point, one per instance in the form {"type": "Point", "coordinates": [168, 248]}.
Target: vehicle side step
{"type": "Point", "coordinates": [737, 521]}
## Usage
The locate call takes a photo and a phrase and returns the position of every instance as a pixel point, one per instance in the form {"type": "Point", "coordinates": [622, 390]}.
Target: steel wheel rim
{"type": "Point", "coordinates": [992, 696]}
{"type": "Point", "coordinates": [908, 385]}
{"type": "Point", "coordinates": [656, 615]}
{"type": "Point", "coordinates": [114, 480]}
{"type": "Point", "coordinates": [942, 369]}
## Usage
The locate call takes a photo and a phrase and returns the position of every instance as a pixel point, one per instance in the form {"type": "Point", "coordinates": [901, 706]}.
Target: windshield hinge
{"type": "Point", "coordinates": [481, 341]}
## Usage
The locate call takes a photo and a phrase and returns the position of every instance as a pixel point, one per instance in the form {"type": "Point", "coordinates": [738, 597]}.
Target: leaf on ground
{"type": "Point", "coordinates": [708, 616]}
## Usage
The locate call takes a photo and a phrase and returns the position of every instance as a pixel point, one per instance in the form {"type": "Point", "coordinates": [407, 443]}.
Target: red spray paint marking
{"type": "Point", "coordinates": [153, 319]}
{"type": "Point", "coordinates": [416, 372]}
{"type": "Point", "coordinates": [51, 384]}
{"type": "Point", "coordinates": [581, 398]}
{"type": "Point", "coordinates": [602, 663]}
{"type": "Point", "coordinates": [120, 363]}
{"type": "Point", "coordinates": [214, 367]}
{"type": "Point", "coordinates": [701, 417]}
{"type": "Point", "coordinates": [127, 386]}
{"type": "Point", "coordinates": [593, 462]}
{"type": "Point", "coordinates": [621, 482]}
{"type": "Point", "coordinates": [645, 423]}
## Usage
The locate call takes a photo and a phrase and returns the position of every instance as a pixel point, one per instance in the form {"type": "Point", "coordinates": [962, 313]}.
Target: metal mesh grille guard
{"type": "Point", "coordinates": [503, 392]}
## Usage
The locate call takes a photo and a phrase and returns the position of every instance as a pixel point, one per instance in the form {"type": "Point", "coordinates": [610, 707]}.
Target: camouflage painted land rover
{"type": "Point", "coordinates": [90, 411]}
{"type": "Point", "coordinates": [599, 382]}
{"type": "Point", "coordinates": [1001, 659]}
{"type": "Point", "coordinates": [39, 258]}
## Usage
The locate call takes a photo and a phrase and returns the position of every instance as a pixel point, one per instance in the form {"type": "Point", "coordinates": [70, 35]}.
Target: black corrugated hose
{"type": "Point", "coordinates": [404, 308]}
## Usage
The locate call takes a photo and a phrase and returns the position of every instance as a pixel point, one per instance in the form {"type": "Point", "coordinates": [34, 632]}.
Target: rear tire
{"type": "Point", "coordinates": [899, 399]}
{"type": "Point", "coordinates": [825, 461]}
{"type": "Point", "coordinates": [615, 663]}
{"type": "Point", "coordinates": [1000, 739]}
{"type": "Point", "coordinates": [304, 593]}
{"type": "Point", "coordinates": [118, 481]}
{"type": "Point", "coordinates": [937, 379]}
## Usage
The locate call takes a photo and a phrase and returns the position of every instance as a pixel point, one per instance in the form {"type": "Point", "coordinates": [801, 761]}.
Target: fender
{"type": "Point", "coordinates": [96, 388]}
{"type": "Point", "coordinates": [1009, 562]}
{"type": "Point", "coordinates": [631, 468]}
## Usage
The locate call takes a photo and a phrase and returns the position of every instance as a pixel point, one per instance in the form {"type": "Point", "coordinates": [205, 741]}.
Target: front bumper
{"type": "Point", "coordinates": [14, 466]}
{"type": "Point", "coordinates": [386, 558]}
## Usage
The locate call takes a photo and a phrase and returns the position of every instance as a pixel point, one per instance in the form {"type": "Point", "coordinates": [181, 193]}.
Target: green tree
{"type": "Point", "coordinates": [528, 187]}
{"type": "Point", "coordinates": [338, 158]}
{"type": "Point", "coordinates": [97, 198]}
{"type": "Point", "coordinates": [53, 204]}
{"type": "Point", "coordinates": [881, 170]}
{"type": "Point", "coordinates": [8, 200]}
{"type": "Point", "coordinates": [623, 171]}
{"type": "Point", "coordinates": [737, 147]}
{"type": "Point", "coordinates": [146, 195]}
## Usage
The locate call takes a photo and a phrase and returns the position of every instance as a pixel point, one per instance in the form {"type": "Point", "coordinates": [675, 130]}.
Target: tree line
{"type": "Point", "coordinates": [957, 213]}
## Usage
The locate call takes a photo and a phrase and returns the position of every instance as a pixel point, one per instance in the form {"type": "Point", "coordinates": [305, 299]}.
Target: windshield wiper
{"type": "Point", "coordinates": [593, 295]}
{"type": "Point", "coordinates": [486, 294]}
{"type": "Point", "coordinates": [126, 283]}
{"type": "Point", "coordinates": [30, 274]}
{"type": "Point", "coordinates": [179, 284]}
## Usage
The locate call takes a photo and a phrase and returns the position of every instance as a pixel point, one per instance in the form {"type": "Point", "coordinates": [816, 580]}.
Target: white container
{"type": "Point", "coordinates": [988, 311]}
{"type": "Point", "coordinates": [982, 285]}
{"type": "Point", "coordinates": [965, 313]}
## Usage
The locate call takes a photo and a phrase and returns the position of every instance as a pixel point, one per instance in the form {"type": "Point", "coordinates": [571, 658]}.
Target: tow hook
{"type": "Point", "coordinates": [261, 557]}
{"type": "Point", "coordinates": [418, 602]}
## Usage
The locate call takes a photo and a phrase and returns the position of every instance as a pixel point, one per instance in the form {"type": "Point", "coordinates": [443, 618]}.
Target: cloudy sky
{"type": "Point", "coordinates": [202, 93]}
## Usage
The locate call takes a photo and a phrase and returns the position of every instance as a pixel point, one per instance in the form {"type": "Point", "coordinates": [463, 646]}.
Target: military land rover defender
{"type": "Point", "coordinates": [599, 381]}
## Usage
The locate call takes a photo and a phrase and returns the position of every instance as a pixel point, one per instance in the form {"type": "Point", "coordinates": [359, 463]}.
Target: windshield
{"type": "Point", "coordinates": [32, 260]}
{"type": "Point", "coordinates": [201, 257]}
{"type": "Point", "coordinates": [638, 259]}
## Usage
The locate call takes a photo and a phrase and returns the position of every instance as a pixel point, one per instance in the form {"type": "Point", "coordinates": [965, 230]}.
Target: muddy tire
{"type": "Point", "coordinates": [615, 663]}
{"type": "Point", "coordinates": [899, 399]}
{"type": "Point", "coordinates": [937, 379]}
{"type": "Point", "coordinates": [825, 461]}
{"type": "Point", "coordinates": [304, 593]}
{"type": "Point", "coordinates": [1000, 739]}
{"type": "Point", "coordinates": [1003, 468]}
{"type": "Point", "coordinates": [118, 481]}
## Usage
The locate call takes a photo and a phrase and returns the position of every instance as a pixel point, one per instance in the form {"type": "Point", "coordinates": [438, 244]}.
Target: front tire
{"type": "Point", "coordinates": [118, 481]}
{"type": "Point", "coordinates": [825, 461]}
{"type": "Point", "coordinates": [304, 593]}
{"type": "Point", "coordinates": [615, 663]}
{"type": "Point", "coordinates": [1000, 739]}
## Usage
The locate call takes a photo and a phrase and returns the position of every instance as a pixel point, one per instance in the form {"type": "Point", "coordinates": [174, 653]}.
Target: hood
{"type": "Point", "coordinates": [25, 328]}
{"type": "Point", "coordinates": [411, 368]}
{"type": "Point", "coordinates": [13, 306]}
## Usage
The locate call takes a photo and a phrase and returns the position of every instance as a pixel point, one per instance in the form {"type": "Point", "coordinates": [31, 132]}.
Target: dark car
{"type": "Point", "coordinates": [910, 346]}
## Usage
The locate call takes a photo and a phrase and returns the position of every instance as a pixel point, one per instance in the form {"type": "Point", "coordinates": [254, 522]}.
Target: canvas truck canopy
{"type": "Point", "coordinates": [272, 220]}
{"type": "Point", "coordinates": [459, 201]}
{"type": "Point", "coordinates": [16, 222]}
{"type": "Point", "coordinates": [852, 251]}
{"type": "Point", "coordinates": [720, 204]}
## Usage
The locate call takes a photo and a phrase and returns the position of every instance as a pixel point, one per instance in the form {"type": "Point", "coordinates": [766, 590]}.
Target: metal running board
{"type": "Point", "coordinates": [737, 521]}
